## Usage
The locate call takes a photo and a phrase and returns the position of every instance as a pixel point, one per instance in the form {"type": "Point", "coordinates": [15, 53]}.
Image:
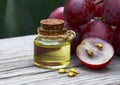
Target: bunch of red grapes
{"type": "Point", "coordinates": [93, 21]}
{"type": "Point", "coordinates": [92, 18]}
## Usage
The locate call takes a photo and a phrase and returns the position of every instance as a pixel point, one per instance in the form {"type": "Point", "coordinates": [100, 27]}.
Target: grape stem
{"type": "Point", "coordinates": [100, 1]}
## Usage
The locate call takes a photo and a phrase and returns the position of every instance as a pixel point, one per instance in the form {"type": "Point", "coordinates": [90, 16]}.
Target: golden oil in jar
{"type": "Point", "coordinates": [52, 45]}
{"type": "Point", "coordinates": [52, 56]}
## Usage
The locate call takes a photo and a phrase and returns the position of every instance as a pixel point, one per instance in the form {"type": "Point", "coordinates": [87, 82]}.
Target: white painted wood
{"type": "Point", "coordinates": [16, 67]}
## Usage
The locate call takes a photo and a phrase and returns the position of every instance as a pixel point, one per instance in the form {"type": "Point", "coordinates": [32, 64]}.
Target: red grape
{"type": "Point", "coordinates": [79, 12]}
{"type": "Point", "coordinates": [99, 10]}
{"type": "Point", "coordinates": [98, 29]}
{"type": "Point", "coordinates": [111, 12]}
{"type": "Point", "coordinates": [57, 13]}
{"type": "Point", "coordinates": [116, 42]}
{"type": "Point", "coordinates": [95, 53]}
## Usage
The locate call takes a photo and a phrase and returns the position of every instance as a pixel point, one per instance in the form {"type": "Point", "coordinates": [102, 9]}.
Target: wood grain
{"type": "Point", "coordinates": [16, 67]}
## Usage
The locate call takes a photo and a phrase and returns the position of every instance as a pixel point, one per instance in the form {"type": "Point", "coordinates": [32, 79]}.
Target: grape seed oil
{"type": "Point", "coordinates": [52, 45]}
{"type": "Point", "coordinates": [52, 56]}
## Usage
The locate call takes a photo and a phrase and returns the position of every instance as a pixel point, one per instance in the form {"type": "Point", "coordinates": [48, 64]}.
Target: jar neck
{"type": "Point", "coordinates": [44, 32]}
{"type": "Point", "coordinates": [69, 35]}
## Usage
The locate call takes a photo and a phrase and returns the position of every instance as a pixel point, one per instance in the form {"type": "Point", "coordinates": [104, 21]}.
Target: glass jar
{"type": "Point", "coordinates": [52, 45]}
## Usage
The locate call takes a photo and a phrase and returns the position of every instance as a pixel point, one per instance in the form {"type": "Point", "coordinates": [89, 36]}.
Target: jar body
{"type": "Point", "coordinates": [51, 54]}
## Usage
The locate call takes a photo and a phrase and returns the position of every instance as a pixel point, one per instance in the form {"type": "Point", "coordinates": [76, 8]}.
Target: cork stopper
{"type": "Point", "coordinates": [52, 29]}
{"type": "Point", "coordinates": [52, 24]}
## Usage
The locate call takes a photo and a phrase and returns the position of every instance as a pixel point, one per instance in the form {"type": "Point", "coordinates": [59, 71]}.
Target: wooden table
{"type": "Point", "coordinates": [16, 67]}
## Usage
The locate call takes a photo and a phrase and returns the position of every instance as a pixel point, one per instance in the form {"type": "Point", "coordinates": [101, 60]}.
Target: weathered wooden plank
{"type": "Point", "coordinates": [86, 76]}
{"type": "Point", "coordinates": [27, 69]}
{"type": "Point", "coordinates": [34, 70]}
{"type": "Point", "coordinates": [82, 79]}
{"type": "Point", "coordinates": [12, 47]}
{"type": "Point", "coordinates": [16, 53]}
{"type": "Point", "coordinates": [16, 67]}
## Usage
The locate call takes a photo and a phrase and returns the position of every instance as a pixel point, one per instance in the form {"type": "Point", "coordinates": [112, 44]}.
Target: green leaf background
{"type": "Point", "coordinates": [21, 17]}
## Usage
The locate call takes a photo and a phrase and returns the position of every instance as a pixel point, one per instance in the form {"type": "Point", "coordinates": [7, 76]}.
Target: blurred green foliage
{"type": "Point", "coordinates": [21, 17]}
